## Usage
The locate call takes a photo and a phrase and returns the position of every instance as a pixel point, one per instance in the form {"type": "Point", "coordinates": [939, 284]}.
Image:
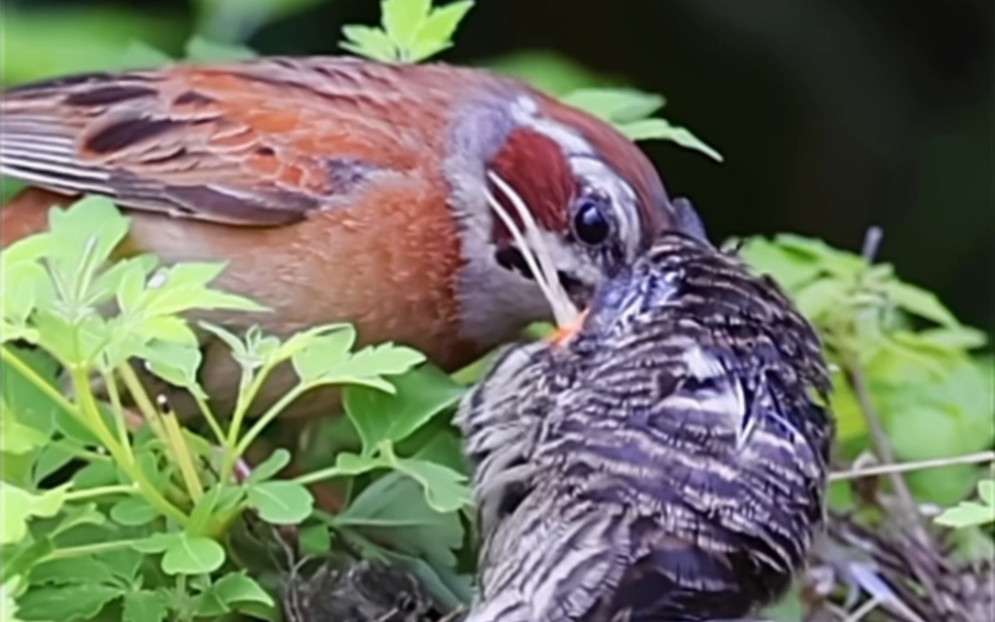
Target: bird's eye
{"type": "Point", "coordinates": [591, 224]}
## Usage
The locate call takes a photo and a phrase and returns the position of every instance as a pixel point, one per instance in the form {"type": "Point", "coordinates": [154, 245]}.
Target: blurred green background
{"type": "Point", "coordinates": [832, 115]}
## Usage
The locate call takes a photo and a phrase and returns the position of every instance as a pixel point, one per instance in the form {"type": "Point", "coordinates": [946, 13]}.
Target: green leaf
{"type": "Point", "coordinates": [16, 438]}
{"type": "Point", "coordinates": [87, 570]}
{"type": "Point", "coordinates": [140, 54]}
{"type": "Point", "coordinates": [436, 32]}
{"type": "Point", "coordinates": [145, 606]}
{"type": "Point", "coordinates": [19, 505]}
{"type": "Point", "coordinates": [184, 287]}
{"type": "Point", "coordinates": [355, 464]}
{"type": "Point", "coordinates": [24, 402]}
{"type": "Point", "coordinates": [324, 352]}
{"type": "Point", "coordinates": [402, 19]}
{"type": "Point", "coordinates": [281, 502]}
{"type": "Point", "coordinates": [420, 395]}
{"type": "Point", "coordinates": [269, 467]}
{"type": "Point", "coordinates": [159, 542]}
{"type": "Point", "coordinates": [967, 514]}
{"type": "Point", "coordinates": [66, 603]}
{"type": "Point", "coordinates": [986, 491]}
{"type": "Point", "coordinates": [648, 129]}
{"type": "Point", "coordinates": [240, 587]}
{"type": "Point", "coordinates": [445, 489]}
{"type": "Point", "coordinates": [133, 511]}
{"type": "Point", "coordinates": [615, 105]}
{"type": "Point", "coordinates": [192, 555]}
{"type": "Point", "coordinates": [8, 606]}
{"type": "Point", "coordinates": [920, 302]}
{"type": "Point", "coordinates": [393, 508]}
{"type": "Point", "coordinates": [326, 360]}
{"type": "Point", "coordinates": [370, 42]}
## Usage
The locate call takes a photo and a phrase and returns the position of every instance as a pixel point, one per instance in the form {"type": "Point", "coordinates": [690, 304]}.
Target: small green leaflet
{"type": "Point", "coordinates": [19, 505]}
{"type": "Point", "coordinates": [412, 31]}
{"type": "Point", "coordinates": [145, 606]}
{"type": "Point", "coordinates": [972, 513]}
{"type": "Point", "coordinates": [420, 394]}
{"type": "Point", "coordinates": [281, 502]}
{"type": "Point", "coordinates": [183, 553]}
{"type": "Point", "coordinates": [630, 111]}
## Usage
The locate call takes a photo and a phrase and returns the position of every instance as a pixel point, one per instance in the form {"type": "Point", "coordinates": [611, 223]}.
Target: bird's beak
{"type": "Point", "coordinates": [564, 333]}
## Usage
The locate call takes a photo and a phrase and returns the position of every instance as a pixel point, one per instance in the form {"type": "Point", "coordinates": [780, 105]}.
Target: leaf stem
{"type": "Point", "coordinates": [91, 549]}
{"type": "Point", "coordinates": [233, 447]}
{"type": "Point", "coordinates": [181, 453]}
{"type": "Point", "coordinates": [101, 491]}
{"type": "Point", "coordinates": [141, 398]}
{"type": "Point", "coordinates": [93, 418]}
{"type": "Point", "coordinates": [260, 424]}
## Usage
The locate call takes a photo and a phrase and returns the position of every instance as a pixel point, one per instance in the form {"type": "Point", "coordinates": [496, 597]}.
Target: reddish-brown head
{"type": "Point", "coordinates": [594, 199]}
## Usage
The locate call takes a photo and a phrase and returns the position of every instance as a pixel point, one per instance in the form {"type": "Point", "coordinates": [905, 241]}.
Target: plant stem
{"type": "Point", "coordinates": [260, 425]}
{"type": "Point", "coordinates": [231, 443]}
{"type": "Point", "coordinates": [181, 453]}
{"type": "Point", "coordinates": [141, 398]}
{"type": "Point", "coordinates": [208, 414]}
{"type": "Point", "coordinates": [101, 491]}
{"type": "Point", "coordinates": [91, 549]}
{"type": "Point", "coordinates": [91, 414]}
{"type": "Point", "coordinates": [905, 467]}
{"type": "Point", "coordinates": [122, 426]}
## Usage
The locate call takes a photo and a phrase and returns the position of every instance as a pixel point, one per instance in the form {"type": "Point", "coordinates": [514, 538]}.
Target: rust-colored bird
{"type": "Point", "coordinates": [342, 190]}
{"type": "Point", "coordinates": [666, 460]}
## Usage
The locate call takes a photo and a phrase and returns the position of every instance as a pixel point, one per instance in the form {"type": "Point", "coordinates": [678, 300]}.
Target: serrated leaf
{"type": "Point", "coordinates": [184, 286]}
{"type": "Point", "coordinates": [269, 467]}
{"type": "Point", "coordinates": [920, 302]}
{"type": "Point", "coordinates": [281, 502]}
{"type": "Point", "coordinates": [402, 18]}
{"type": "Point", "coordinates": [615, 105]}
{"type": "Point", "coordinates": [323, 353]}
{"type": "Point", "coordinates": [445, 489]}
{"type": "Point", "coordinates": [19, 506]}
{"type": "Point", "coordinates": [133, 511]}
{"type": "Point", "coordinates": [66, 603]}
{"type": "Point", "coordinates": [370, 42]}
{"type": "Point", "coordinates": [441, 24]}
{"type": "Point", "coordinates": [85, 570]}
{"type": "Point", "coordinates": [192, 555]}
{"type": "Point", "coordinates": [419, 395]}
{"type": "Point", "coordinates": [145, 606]}
{"type": "Point", "coordinates": [648, 129]}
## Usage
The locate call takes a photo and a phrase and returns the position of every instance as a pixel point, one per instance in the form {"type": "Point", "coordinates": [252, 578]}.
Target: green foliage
{"type": "Point", "coordinates": [411, 31]}
{"type": "Point", "coordinates": [150, 488]}
{"type": "Point", "coordinates": [972, 513]}
{"type": "Point", "coordinates": [933, 394]}
{"type": "Point", "coordinates": [115, 512]}
{"type": "Point", "coordinates": [630, 112]}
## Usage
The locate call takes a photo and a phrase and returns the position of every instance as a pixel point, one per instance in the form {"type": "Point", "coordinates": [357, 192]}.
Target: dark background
{"type": "Point", "coordinates": [832, 115]}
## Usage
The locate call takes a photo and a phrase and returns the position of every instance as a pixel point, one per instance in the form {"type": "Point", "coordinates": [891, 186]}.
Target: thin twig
{"type": "Point", "coordinates": [919, 465]}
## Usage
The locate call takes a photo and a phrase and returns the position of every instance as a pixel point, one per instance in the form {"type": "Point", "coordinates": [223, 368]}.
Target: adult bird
{"type": "Point", "coordinates": [665, 459]}
{"type": "Point", "coordinates": [391, 196]}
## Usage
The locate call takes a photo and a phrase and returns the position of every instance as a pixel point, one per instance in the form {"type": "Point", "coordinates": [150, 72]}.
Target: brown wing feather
{"type": "Point", "coordinates": [262, 142]}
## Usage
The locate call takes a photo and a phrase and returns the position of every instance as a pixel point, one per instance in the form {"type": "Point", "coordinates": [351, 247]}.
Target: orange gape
{"type": "Point", "coordinates": [339, 189]}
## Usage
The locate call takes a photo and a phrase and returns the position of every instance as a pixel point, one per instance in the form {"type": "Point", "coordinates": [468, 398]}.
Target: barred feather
{"type": "Point", "coordinates": [667, 462]}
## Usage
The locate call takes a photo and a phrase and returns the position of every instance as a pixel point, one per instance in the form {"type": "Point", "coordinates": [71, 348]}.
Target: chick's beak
{"type": "Point", "coordinates": [565, 332]}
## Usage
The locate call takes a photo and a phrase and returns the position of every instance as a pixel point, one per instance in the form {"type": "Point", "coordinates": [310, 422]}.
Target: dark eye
{"type": "Point", "coordinates": [591, 223]}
